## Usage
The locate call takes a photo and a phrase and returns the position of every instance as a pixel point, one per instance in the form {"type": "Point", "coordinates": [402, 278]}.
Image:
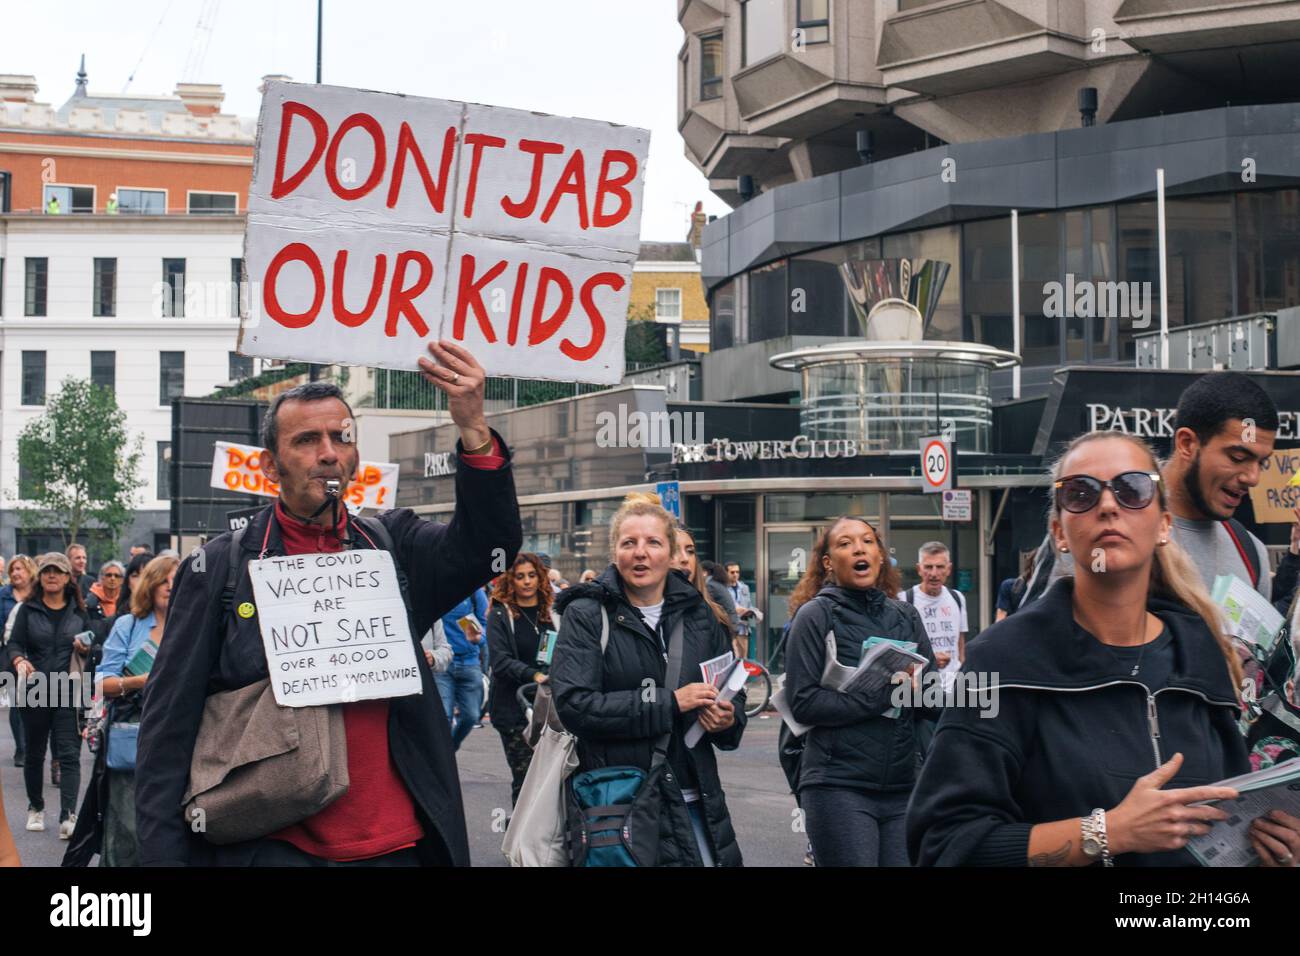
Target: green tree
{"type": "Point", "coordinates": [78, 465]}
{"type": "Point", "coordinates": [644, 342]}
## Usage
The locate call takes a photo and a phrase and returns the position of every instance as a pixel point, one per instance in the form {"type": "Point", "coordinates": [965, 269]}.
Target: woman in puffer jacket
{"type": "Point", "coordinates": [859, 759]}
{"type": "Point", "coordinates": [616, 703]}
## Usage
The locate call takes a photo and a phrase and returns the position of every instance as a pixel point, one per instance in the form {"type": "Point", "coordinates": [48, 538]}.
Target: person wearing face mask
{"type": "Point", "coordinates": [520, 616]}
{"type": "Point", "coordinates": [619, 704]}
{"type": "Point", "coordinates": [859, 758]}
{"type": "Point", "coordinates": [1116, 699]}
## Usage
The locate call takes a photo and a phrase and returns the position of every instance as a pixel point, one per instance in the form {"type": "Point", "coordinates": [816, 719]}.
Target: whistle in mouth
{"type": "Point", "coordinates": [333, 487]}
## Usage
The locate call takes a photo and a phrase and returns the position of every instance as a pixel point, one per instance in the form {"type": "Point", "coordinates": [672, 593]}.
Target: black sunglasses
{"type": "Point", "coordinates": [1132, 489]}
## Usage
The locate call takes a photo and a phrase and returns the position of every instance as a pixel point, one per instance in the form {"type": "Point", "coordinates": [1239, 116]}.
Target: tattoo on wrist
{"type": "Point", "coordinates": [1055, 857]}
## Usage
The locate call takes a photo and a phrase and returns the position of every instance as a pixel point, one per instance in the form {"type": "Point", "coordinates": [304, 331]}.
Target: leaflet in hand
{"type": "Point", "coordinates": [141, 661]}
{"type": "Point", "coordinates": [1248, 613]}
{"type": "Point", "coordinates": [546, 646]}
{"type": "Point", "coordinates": [729, 681]}
{"type": "Point", "coordinates": [882, 658]}
{"type": "Point", "coordinates": [716, 667]}
{"type": "Point", "coordinates": [1228, 842]}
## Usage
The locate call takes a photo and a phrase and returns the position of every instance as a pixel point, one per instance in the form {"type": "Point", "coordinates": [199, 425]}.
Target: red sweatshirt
{"type": "Point", "coordinates": [376, 815]}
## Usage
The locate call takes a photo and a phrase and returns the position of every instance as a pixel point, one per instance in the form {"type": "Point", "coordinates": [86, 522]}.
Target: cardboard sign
{"type": "Point", "coordinates": [334, 627]}
{"type": "Point", "coordinates": [378, 222]}
{"type": "Point", "coordinates": [239, 468]}
{"type": "Point", "coordinates": [1275, 497]}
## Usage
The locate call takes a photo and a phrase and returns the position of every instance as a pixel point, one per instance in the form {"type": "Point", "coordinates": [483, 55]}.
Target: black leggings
{"type": "Point", "coordinates": [855, 827]}
{"type": "Point", "coordinates": [40, 724]}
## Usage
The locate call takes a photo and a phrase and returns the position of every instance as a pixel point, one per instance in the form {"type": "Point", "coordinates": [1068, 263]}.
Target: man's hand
{"type": "Point", "coordinates": [941, 659]}
{"type": "Point", "coordinates": [24, 668]}
{"type": "Point", "coordinates": [461, 377]}
{"type": "Point", "coordinates": [428, 657]}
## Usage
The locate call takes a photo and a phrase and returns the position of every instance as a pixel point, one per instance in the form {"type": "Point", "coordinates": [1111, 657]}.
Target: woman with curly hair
{"type": "Point", "coordinates": [859, 759]}
{"type": "Point", "coordinates": [521, 632]}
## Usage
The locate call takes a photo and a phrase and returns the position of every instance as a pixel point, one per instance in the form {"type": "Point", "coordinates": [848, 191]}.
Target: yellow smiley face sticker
{"type": "Point", "coordinates": [247, 610]}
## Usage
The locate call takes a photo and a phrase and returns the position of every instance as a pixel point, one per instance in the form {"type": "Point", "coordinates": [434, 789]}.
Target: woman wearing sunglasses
{"type": "Point", "coordinates": [1115, 699]}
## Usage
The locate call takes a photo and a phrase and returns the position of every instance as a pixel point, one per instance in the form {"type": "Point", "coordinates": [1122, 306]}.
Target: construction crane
{"type": "Point", "coordinates": [199, 45]}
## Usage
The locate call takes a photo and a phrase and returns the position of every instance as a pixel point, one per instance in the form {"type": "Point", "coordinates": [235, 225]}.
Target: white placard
{"type": "Point", "coordinates": [334, 628]}
{"type": "Point", "coordinates": [957, 505]}
{"type": "Point", "coordinates": [378, 222]}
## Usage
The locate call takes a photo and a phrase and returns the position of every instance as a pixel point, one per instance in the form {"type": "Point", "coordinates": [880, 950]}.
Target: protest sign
{"type": "Point", "coordinates": [1276, 494]}
{"type": "Point", "coordinates": [239, 468]}
{"type": "Point", "coordinates": [379, 222]}
{"type": "Point", "coordinates": [334, 627]}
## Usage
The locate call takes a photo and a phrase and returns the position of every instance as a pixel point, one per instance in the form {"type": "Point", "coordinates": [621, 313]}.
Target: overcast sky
{"type": "Point", "coordinates": [601, 59]}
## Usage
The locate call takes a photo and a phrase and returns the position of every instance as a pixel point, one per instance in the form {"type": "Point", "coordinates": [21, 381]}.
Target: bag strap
{"type": "Point", "coordinates": [235, 566]}
{"type": "Point", "coordinates": [374, 528]}
{"type": "Point", "coordinates": [1250, 557]}
{"type": "Point", "coordinates": [604, 630]}
{"type": "Point", "coordinates": [670, 682]}
{"type": "Point", "coordinates": [956, 596]}
{"type": "Point", "coordinates": [907, 595]}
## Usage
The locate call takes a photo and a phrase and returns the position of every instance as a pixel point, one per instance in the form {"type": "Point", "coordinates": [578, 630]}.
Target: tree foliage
{"type": "Point", "coordinates": [78, 464]}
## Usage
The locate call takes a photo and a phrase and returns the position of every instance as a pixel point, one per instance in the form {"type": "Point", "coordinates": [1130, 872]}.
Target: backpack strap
{"type": "Point", "coordinates": [670, 683]}
{"type": "Point", "coordinates": [907, 595]}
{"type": "Point", "coordinates": [234, 569]}
{"type": "Point", "coordinates": [604, 630]}
{"type": "Point", "coordinates": [376, 532]}
{"type": "Point", "coordinates": [1249, 556]}
{"type": "Point", "coordinates": [956, 596]}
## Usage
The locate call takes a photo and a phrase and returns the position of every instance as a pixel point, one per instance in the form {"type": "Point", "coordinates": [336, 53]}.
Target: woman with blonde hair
{"type": "Point", "coordinates": [519, 630]}
{"type": "Point", "coordinates": [631, 698]}
{"type": "Point", "coordinates": [121, 676]}
{"type": "Point", "coordinates": [1116, 696]}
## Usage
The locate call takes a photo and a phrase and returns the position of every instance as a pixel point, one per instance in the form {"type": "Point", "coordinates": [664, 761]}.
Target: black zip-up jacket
{"type": "Point", "coordinates": [852, 744]}
{"type": "Point", "coordinates": [605, 703]}
{"type": "Point", "coordinates": [511, 668]}
{"type": "Point", "coordinates": [1073, 730]}
{"type": "Point", "coordinates": [34, 636]}
{"type": "Point", "coordinates": [209, 648]}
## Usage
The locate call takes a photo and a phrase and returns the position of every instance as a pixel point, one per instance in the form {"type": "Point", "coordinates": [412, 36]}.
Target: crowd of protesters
{"type": "Point", "coordinates": [1122, 700]}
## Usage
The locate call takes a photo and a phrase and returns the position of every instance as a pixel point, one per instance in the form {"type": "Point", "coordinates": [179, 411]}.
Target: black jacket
{"type": "Point", "coordinates": [1073, 731]}
{"type": "Point", "coordinates": [605, 703]}
{"type": "Point", "coordinates": [852, 744]}
{"type": "Point", "coordinates": [208, 648]}
{"type": "Point", "coordinates": [514, 662]}
{"type": "Point", "coordinates": [35, 638]}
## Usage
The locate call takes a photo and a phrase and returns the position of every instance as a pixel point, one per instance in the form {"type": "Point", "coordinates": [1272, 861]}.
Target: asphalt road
{"type": "Point", "coordinates": [762, 809]}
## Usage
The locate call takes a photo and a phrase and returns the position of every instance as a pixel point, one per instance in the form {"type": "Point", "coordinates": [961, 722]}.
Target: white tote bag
{"type": "Point", "coordinates": [535, 836]}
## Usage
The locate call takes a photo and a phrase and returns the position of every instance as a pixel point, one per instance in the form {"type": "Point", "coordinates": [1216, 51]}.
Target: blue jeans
{"type": "Point", "coordinates": [461, 686]}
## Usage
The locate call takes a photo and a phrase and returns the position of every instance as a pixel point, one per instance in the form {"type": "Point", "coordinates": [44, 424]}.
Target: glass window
{"type": "Point", "coordinates": [711, 66]}
{"type": "Point", "coordinates": [36, 286]}
{"type": "Point", "coordinates": [814, 20]}
{"type": "Point", "coordinates": [33, 378]}
{"type": "Point", "coordinates": [819, 299]}
{"type": "Point", "coordinates": [722, 317]}
{"type": "Point", "coordinates": [173, 288]}
{"type": "Point", "coordinates": [104, 293]}
{"type": "Point", "coordinates": [668, 305]}
{"type": "Point", "coordinates": [986, 283]}
{"type": "Point", "coordinates": [79, 199]}
{"type": "Point", "coordinates": [819, 506]}
{"type": "Point", "coordinates": [762, 30]}
{"type": "Point", "coordinates": [935, 277]}
{"type": "Point", "coordinates": [768, 302]}
{"type": "Point", "coordinates": [1198, 260]}
{"type": "Point", "coordinates": [209, 203]}
{"type": "Point", "coordinates": [164, 476]}
{"type": "Point", "coordinates": [171, 377]}
{"type": "Point", "coordinates": [152, 202]}
{"type": "Point", "coordinates": [1041, 258]}
{"type": "Point", "coordinates": [103, 369]}
{"type": "Point", "coordinates": [1268, 250]}
{"type": "Point", "coordinates": [241, 366]}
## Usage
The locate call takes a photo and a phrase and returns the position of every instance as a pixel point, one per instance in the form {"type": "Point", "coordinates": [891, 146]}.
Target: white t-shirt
{"type": "Point", "coordinates": [652, 613]}
{"type": "Point", "coordinates": [945, 621]}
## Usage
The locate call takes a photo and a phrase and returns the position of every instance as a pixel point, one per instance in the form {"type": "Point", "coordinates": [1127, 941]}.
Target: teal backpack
{"type": "Point", "coordinates": [613, 812]}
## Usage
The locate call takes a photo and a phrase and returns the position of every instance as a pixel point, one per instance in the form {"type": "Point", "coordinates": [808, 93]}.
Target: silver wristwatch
{"type": "Point", "coordinates": [1095, 846]}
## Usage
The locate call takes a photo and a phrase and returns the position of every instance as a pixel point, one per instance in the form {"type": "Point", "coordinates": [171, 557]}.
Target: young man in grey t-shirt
{"type": "Point", "coordinates": [1224, 427]}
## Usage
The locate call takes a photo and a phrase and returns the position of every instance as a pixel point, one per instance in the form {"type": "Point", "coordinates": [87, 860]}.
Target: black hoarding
{"type": "Point", "coordinates": [197, 424]}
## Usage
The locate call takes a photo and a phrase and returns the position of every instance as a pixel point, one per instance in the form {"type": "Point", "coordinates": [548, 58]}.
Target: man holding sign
{"type": "Point", "coordinates": [330, 608]}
